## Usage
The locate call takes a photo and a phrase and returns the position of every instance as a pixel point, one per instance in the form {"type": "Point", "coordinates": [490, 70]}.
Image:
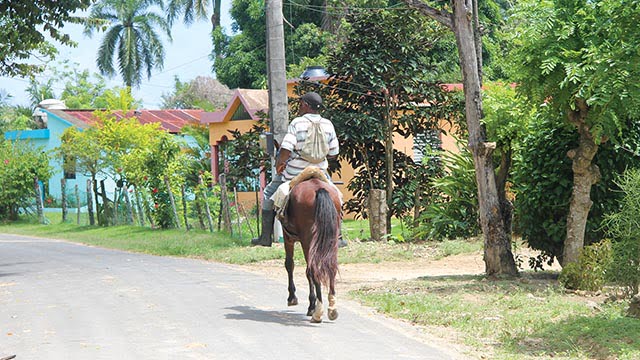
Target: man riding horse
{"type": "Point", "coordinates": [290, 163]}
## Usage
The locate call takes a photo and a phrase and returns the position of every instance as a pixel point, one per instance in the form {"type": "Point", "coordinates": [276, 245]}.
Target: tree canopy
{"type": "Point", "coordinates": [22, 24]}
{"type": "Point", "coordinates": [131, 35]}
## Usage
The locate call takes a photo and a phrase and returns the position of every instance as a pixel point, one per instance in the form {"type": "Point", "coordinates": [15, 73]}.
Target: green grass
{"type": "Point", "coordinates": [529, 318]}
{"type": "Point", "coordinates": [220, 246]}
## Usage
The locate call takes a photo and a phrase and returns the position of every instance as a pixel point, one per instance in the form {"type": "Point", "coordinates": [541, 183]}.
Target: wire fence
{"type": "Point", "coordinates": [207, 208]}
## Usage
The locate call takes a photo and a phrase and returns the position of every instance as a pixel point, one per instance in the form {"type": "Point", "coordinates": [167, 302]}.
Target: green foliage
{"type": "Point", "coordinates": [565, 51]}
{"type": "Point", "coordinates": [454, 210]}
{"type": "Point", "coordinates": [14, 118]}
{"type": "Point", "coordinates": [243, 158]}
{"type": "Point", "coordinates": [542, 182]}
{"type": "Point", "coordinates": [20, 164]}
{"type": "Point", "coordinates": [239, 61]}
{"type": "Point", "coordinates": [131, 34]}
{"type": "Point", "coordinates": [22, 24]}
{"type": "Point", "coordinates": [387, 50]}
{"type": "Point", "coordinates": [623, 226]}
{"type": "Point", "coordinates": [590, 271]}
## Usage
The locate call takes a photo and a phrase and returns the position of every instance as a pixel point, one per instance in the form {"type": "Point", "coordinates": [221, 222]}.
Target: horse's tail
{"type": "Point", "coordinates": [323, 252]}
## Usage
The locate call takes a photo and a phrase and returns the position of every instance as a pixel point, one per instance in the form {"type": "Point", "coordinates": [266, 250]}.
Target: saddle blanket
{"type": "Point", "coordinates": [281, 196]}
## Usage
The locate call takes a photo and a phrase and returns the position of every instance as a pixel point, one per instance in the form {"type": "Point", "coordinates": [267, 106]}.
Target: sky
{"type": "Point", "coordinates": [186, 57]}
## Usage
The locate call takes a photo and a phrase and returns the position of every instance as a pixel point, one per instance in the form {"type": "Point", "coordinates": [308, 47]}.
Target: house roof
{"type": "Point", "coordinates": [170, 120]}
{"type": "Point", "coordinates": [252, 100]}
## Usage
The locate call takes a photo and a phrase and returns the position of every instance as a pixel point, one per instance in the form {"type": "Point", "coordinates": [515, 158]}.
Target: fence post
{"type": "Point", "coordinates": [39, 204]}
{"type": "Point", "coordinates": [206, 204]}
{"type": "Point", "coordinates": [77, 192]}
{"type": "Point", "coordinates": [127, 202]}
{"type": "Point", "coordinates": [92, 220]}
{"type": "Point", "coordinates": [226, 215]}
{"type": "Point", "coordinates": [184, 207]}
{"type": "Point", "coordinates": [176, 219]}
{"type": "Point", "coordinates": [139, 206]}
{"type": "Point", "coordinates": [63, 188]}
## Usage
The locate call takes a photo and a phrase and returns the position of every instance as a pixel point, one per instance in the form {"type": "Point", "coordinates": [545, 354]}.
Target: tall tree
{"type": "Point", "coordinates": [203, 92]}
{"type": "Point", "coordinates": [579, 58]}
{"type": "Point", "coordinates": [382, 78]}
{"type": "Point", "coordinates": [22, 24]}
{"type": "Point", "coordinates": [463, 20]}
{"type": "Point", "coordinates": [131, 34]}
{"type": "Point", "coordinates": [240, 60]}
{"type": "Point", "coordinates": [194, 9]}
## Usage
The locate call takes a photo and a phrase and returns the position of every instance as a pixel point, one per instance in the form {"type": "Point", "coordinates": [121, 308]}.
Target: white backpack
{"type": "Point", "coordinates": [315, 147]}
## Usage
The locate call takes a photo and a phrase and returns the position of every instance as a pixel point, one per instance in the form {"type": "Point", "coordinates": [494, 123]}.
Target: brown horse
{"type": "Point", "coordinates": [313, 217]}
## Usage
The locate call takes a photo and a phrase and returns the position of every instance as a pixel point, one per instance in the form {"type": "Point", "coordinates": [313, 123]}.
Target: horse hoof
{"type": "Point", "coordinates": [332, 314]}
{"type": "Point", "coordinates": [292, 302]}
{"type": "Point", "coordinates": [316, 321]}
{"type": "Point", "coordinates": [310, 312]}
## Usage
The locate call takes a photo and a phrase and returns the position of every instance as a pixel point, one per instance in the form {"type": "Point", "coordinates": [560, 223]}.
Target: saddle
{"type": "Point", "coordinates": [281, 196]}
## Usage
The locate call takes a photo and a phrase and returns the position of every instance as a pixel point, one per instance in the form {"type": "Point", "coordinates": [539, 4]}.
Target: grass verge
{"type": "Point", "coordinates": [528, 318]}
{"type": "Point", "coordinates": [223, 247]}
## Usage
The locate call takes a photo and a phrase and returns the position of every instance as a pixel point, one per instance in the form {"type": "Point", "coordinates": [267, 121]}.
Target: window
{"type": "Point", "coordinates": [69, 167]}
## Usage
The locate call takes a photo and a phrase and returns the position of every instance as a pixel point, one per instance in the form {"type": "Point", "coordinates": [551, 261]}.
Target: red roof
{"type": "Point", "coordinates": [170, 120]}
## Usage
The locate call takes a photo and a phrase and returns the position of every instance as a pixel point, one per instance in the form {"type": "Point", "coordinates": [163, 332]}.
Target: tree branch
{"type": "Point", "coordinates": [443, 17]}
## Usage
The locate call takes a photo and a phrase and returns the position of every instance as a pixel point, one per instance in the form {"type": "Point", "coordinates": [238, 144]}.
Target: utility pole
{"type": "Point", "coordinates": [276, 71]}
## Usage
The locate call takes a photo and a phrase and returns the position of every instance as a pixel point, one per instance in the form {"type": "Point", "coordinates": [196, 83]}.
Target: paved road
{"type": "Point", "coordinates": [60, 300]}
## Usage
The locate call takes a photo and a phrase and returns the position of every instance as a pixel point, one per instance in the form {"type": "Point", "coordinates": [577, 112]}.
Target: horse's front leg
{"type": "Point", "coordinates": [312, 293]}
{"type": "Point", "coordinates": [288, 264]}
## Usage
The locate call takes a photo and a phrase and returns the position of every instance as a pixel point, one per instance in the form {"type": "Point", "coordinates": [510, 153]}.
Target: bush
{"type": "Point", "coordinates": [543, 184]}
{"type": "Point", "coordinates": [624, 228]}
{"type": "Point", "coordinates": [590, 272]}
{"type": "Point", "coordinates": [20, 164]}
{"type": "Point", "coordinates": [454, 213]}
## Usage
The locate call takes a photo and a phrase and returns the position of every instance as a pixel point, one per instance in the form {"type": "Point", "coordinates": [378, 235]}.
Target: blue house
{"type": "Point", "coordinates": [54, 120]}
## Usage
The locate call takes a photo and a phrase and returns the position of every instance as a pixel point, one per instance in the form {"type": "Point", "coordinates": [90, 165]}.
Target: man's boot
{"type": "Point", "coordinates": [265, 238]}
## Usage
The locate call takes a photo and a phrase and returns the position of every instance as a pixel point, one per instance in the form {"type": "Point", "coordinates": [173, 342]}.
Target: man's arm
{"type": "Point", "coordinates": [281, 162]}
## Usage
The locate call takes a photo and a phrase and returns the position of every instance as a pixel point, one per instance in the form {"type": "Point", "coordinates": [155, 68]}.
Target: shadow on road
{"type": "Point", "coordinates": [287, 318]}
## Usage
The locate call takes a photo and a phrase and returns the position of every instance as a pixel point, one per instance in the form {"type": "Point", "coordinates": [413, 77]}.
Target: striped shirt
{"type": "Point", "coordinates": [294, 140]}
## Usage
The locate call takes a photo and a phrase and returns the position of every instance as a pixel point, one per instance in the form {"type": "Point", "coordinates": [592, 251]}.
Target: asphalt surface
{"type": "Point", "coordinates": [60, 300]}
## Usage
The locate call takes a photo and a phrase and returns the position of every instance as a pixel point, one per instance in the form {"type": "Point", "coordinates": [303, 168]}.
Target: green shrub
{"type": "Point", "coordinates": [590, 271]}
{"type": "Point", "coordinates": [542, 179]}
{"type": "Point", "coordinates": [20, 164]}
{"type": "Point", "coordinates": [624, 228]}
{"type": "Point", "coordinates": [454, 212]}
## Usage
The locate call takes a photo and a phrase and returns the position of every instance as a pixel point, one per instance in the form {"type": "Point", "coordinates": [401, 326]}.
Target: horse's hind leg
{"type": "Point", "coordinates": [332, 312]}
{"type": "Point", "coordinates": [312, 293]}
{"type": "Point", "coordinates": [288, 264]}
{"type": "Point", "coordinates": [316, 316]}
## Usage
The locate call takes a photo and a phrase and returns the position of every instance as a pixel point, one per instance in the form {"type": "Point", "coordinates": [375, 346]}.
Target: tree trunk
{"type": "Point", "coordinates": [388, 153]}
{"type": "Point", "coordinates": [501, 184]}
{"type": "Point", "coordinates": [585, 174]}
{"type": "Point", "coordinates": [498, 257]}
{"type": "Point", "coordinates": [377, 214]}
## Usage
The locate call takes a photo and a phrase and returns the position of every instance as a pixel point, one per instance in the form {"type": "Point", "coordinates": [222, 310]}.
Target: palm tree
{"type": "Point", "coordinates": [193, 9]}
{"type": "Point", "coordinates": [131, 35]}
